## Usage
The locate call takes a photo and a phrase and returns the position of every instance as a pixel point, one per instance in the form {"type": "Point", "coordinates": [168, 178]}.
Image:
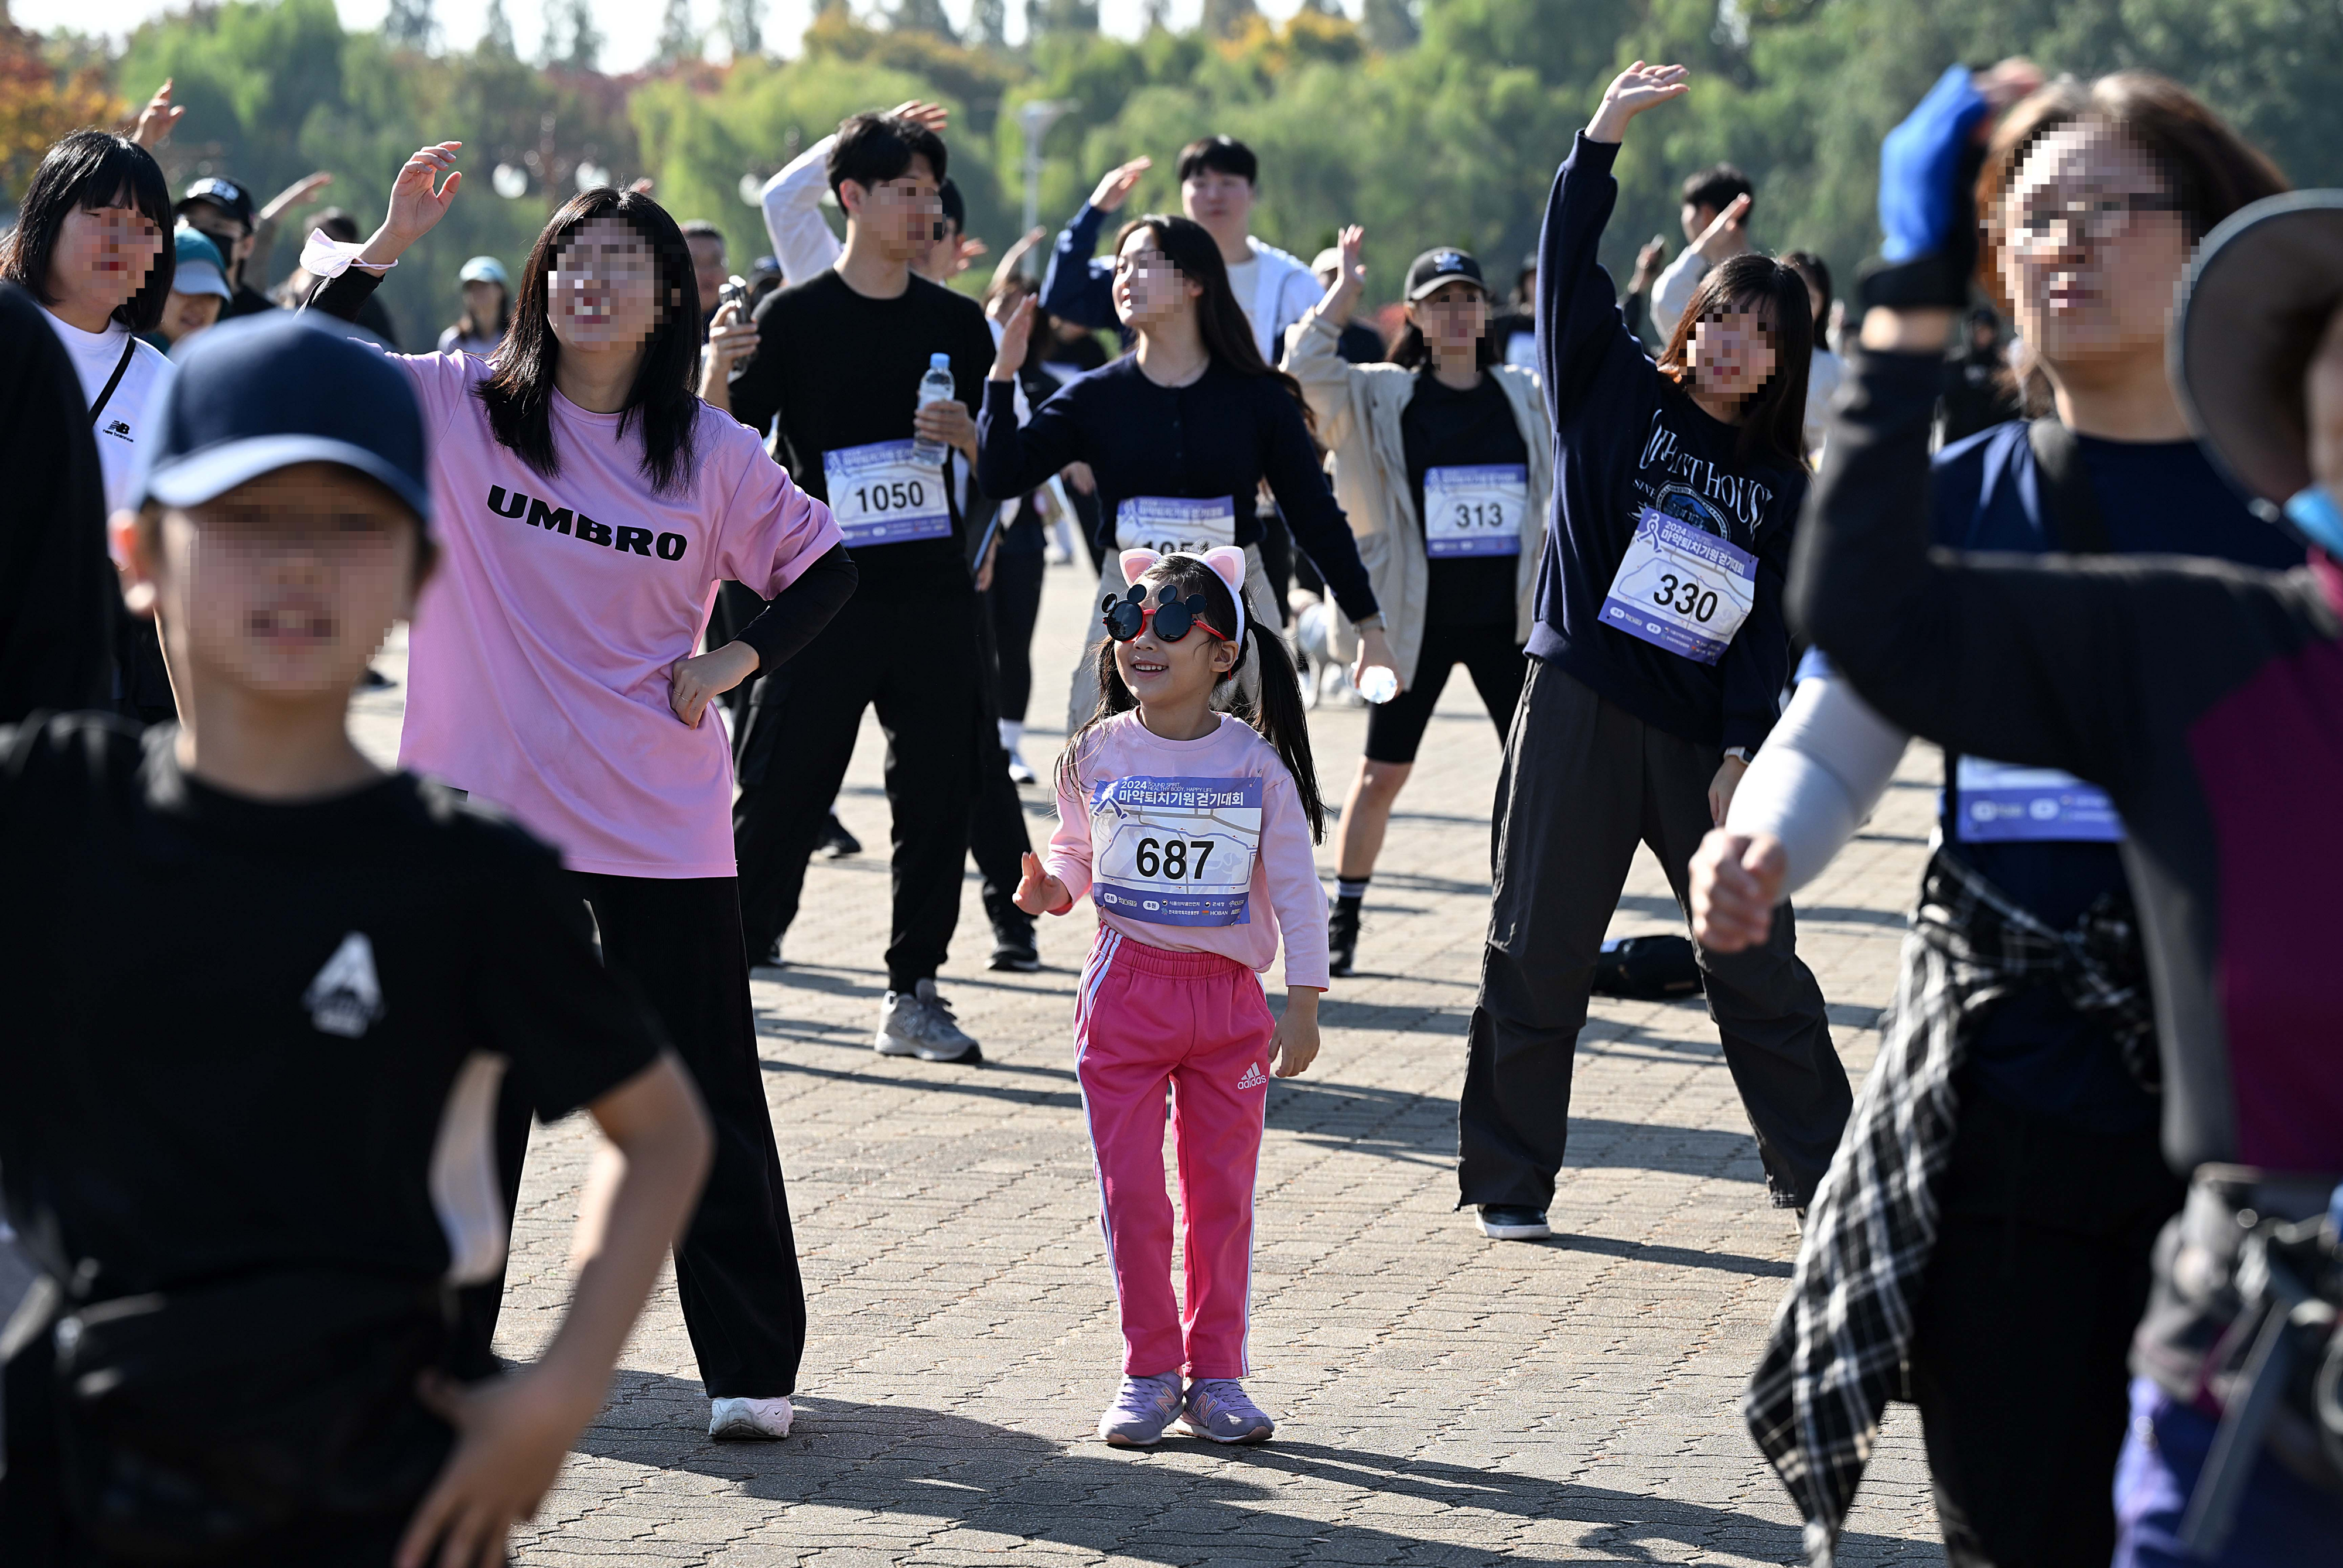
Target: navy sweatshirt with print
{"type": "Point", "coordinates": [1628, 437]}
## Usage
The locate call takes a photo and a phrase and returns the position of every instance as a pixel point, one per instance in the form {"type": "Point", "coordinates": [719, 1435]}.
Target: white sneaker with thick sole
{"type": "Point", "coordinates": [918, 1023]}
{"type": "Point", "coordinates": [749, 1419]}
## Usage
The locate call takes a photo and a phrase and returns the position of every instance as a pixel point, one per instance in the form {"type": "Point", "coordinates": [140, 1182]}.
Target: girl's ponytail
{"type": "Point", "coordinates": [1284, 723]}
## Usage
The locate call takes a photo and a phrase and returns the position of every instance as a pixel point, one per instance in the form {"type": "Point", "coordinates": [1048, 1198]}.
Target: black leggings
{"type": "Point", "coordinates": [736, 1269]}
{"type": "Point", "coordinates": [1491, 652]}
{"type": "Point", "coordinates": [1016, 606]}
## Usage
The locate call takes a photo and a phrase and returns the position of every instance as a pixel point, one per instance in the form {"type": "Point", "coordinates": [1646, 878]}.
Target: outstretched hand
{"type": "Point", "coordinates": [1116, 187]}
{"type": "Point", "coordinates": [920, 111]}
{"type": "Point", "coordinates": [419, 198]}
{"type": "Point", "coordinates": [1016, 332]}
{"type": "Point", "coordinates": [158, 119]}
{"type": "Point", "coordinates": [1638, 87]}
{"type": "Point", "coordinates": [1038, 893]}
{"type": "Point", "coordinates": [512, 1434]}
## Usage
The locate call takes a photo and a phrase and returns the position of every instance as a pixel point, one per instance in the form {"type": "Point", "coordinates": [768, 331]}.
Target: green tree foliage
{"type": "Point", "coordinates": [921, 16]}
{"type": "Point", "coordinates": [678, 39]}
{"type": "Point", "coordinates": [408, 25]}
{"type": "Point", "coordinates": [1429, 121]}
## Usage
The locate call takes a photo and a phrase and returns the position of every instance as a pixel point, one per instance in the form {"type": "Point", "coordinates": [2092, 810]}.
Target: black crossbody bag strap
{"type": "Point", "coordinates": [121, 366]}
{"type": "Point", "coordinates": [2072, 511]}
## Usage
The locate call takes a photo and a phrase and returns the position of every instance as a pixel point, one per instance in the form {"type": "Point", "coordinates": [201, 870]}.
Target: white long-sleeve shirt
{"type": "Point", "coordinates": [1818, 778]}
{"type": "Point", "coordinates": [1673, 291]}
{"type": "Point", "coordinates": [803, 239]}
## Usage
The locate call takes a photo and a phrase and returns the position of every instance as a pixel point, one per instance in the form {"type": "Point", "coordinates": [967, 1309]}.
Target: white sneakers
{"type": "Point", "coordinates": [918, 1023]}
{"type": "Point", "coordinates": [747, 1420]}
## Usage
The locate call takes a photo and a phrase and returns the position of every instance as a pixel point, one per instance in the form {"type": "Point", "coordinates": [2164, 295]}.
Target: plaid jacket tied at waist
{"type": "Point", "coordinates": [1835, 1355]}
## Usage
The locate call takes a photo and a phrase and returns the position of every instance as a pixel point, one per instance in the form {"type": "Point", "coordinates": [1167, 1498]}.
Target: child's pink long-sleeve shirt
{"type": "Point", "coordinates": [1198, 846]}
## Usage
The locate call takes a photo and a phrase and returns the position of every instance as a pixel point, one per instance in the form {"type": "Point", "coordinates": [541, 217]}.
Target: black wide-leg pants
{"type": "Point", "coordinates": [1583, 782]}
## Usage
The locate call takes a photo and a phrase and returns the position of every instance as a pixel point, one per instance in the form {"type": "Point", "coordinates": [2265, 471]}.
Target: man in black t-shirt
{"type": "Point", "coordinates": [840, 363]}
{"type": "Point", "coordinates": [252, 1164]}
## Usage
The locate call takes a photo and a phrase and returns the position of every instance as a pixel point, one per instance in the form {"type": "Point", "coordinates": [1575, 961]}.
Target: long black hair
{"type": "Point", "coordinates": [1773, 417]}
{"type": "Point", "coordinates": [518, 391]}
{"type": "Point", "coordinates": [85, 171]}
{"type": "Point", "coordinates": [1280, 717]}
{"type": "Point", "coordinates": [1227, 332]}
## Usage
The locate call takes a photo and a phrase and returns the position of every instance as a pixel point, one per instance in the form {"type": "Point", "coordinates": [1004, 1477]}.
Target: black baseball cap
{"type": "Point", "coordinates": [226, 194]}
{"type": "Point", "coordinates": [271, 389]}
{"type": "Point", "coordinates": [1434, 268]}
{"type": "Point", "coordinates": [2253, 308]}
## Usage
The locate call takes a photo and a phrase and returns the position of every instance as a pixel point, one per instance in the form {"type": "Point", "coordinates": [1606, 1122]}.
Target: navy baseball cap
{"type": "Point", "coordinates": [271, 389]}
{"type": "Point", "coordinates": [225, 195]}
{"type": "Point", "coordinates": [1446, 264]}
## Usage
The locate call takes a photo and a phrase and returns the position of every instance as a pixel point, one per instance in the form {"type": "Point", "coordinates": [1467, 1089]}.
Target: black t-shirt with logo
{"type": "Point", "coordinates": [245, 1036]}
{"type": "Point", "coordinates": [1442, 428]}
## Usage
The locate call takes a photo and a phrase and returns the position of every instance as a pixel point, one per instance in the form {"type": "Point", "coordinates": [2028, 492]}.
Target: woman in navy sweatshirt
{"type": "Point", "coordinates": [1658, 653]}
{"type": "Point", "coordinates": [1180, 432]}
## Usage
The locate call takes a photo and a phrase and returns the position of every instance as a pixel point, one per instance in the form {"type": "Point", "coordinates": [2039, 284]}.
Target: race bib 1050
{"type": "Point", "coordinates": [1474, 509]}
{"type": "Point", "coordinates": [879, 496]}
{"type": "Point", "coordinates": [1681, 588]}
{"type": "Point", "coordinates": [2001, 803]}
{"type": "Point", "coordinates": [1174, 525]}
{"type": "Point", "coordinates": [1175, 851]}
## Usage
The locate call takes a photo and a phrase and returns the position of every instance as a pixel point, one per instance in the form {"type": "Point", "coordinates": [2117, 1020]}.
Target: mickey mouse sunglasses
{"type": "Point", "coordinates": [1126, 617]}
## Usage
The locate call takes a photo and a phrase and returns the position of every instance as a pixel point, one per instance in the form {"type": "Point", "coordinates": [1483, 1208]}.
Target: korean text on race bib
{"type": "Point", "coordinates": [2000, 803]}
{"type": "Point", "coordinates": [1681, 588]}
{"type": "Point", "coordinates": [1175, 851]}
{"type": "Point", "coordinates": [1174, 525]}
{"type": "Point", "coordinates": [879, 496]}
{"type": "Point", "coordinates": [1474, 510]}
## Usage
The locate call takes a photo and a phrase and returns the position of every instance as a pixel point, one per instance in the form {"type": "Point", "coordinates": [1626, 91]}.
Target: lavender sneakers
{"type": "Point", "coordinates": [1219, 1408]}
{"type": "Point", "coordinates": [1142, 1407]}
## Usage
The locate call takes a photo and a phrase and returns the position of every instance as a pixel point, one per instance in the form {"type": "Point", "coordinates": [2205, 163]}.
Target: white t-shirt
{"type": "Point", "coordinates": [122, 424]}
{"type": "Point", "coordinates": [1245, 278]}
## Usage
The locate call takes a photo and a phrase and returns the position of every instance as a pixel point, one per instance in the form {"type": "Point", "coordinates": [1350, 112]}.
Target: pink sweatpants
{"type": "Point", "coordinates": [1198, 1022]}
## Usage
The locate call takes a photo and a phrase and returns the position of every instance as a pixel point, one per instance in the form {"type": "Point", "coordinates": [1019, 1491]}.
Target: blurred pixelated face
{"type": "Point", "coordinates": [603, 288]}
{"type": "Point", "coordinates": [221, 227]}
{"type": "Point", "coordinates": [2092, 247]}
{"type": "Point", "coordinates": [484, 301]}
{"type": "Point", "coordinates": [184, 315]}
{"type": "Point", "coordinates": [904, 216]}
{"type": "Point", "coordinates": [1452, 316]}
{"type": "Point", "coordinates": [1732, 353]}
{"type": "Point", "coordinates": [103, 255]}
{"type": "Point", "coordinates": [1221, 201]}
{"type": "Point", "coordinates": [1147, 288]}
{"type": "Point", "coordinates": [707, 267]}
{"type": "Point", "coordinates": [286, 585]}
{"type": "Point", "coordinates": [941, 262]}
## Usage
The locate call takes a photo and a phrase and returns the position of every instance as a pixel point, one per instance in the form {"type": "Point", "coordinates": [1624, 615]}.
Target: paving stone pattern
{"type": "Point", "coordinates": [1442, 1399]}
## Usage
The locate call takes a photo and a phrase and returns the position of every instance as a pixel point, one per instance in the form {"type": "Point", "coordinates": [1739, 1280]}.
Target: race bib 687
{"type": "Point", "coordinates": [1175, 851]}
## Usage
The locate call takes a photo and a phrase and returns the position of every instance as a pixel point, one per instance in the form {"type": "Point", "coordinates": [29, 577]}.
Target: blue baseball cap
{"type": "Point", "coordinates": [200, 267]}
{"type": "Point", "coordinates": [271, 389]}
{"type": "Point", "coordinates": [483, 269]}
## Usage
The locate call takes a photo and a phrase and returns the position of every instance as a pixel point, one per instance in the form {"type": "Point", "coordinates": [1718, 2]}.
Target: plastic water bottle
{"type": "Point", "coordinates": [935, 386]}
{"type": "Point", "coordinates": [1379, 685]}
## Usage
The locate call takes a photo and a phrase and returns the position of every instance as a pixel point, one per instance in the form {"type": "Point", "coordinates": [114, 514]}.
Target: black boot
{"type": "Point", "coordinates": [1341, 937]}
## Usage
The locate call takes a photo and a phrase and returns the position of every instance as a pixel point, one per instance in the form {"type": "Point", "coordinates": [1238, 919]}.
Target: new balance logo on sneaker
{"type": "Point", "coordinates": [1252, 1078]}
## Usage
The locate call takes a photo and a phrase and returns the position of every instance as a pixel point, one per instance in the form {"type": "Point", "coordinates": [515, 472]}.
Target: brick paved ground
{"type": "Point", "coordinates": [1444, 1398]}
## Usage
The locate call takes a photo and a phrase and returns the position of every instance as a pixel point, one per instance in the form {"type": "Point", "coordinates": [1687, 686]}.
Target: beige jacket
{"type": "Point", "coordinates": [1358, 409]}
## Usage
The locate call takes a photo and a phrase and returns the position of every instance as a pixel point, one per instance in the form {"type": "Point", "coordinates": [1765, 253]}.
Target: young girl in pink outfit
{"type": "Point", "coordinates": [1191, 832]}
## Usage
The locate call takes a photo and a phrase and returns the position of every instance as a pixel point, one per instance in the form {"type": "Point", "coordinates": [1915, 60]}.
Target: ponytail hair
{"type": "Point", "coordinates": [1280, 717]}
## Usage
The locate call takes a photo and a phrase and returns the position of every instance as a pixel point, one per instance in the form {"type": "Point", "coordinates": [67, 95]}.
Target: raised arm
{"type": "Point", "coordinates": [1013, 457]}
{"type": "Point", "coordinates": [803, 239]}
{"type": "Point", "coordinates": [1314, 354]}
{"type": "Point", "coordinates": [1077, 287]}
{"type": "Point", "coordinates": [1578, 319]}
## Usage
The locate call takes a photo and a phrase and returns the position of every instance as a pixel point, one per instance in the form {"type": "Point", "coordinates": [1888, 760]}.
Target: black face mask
{"type": "Point", "coordinates": [1126, 617]}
